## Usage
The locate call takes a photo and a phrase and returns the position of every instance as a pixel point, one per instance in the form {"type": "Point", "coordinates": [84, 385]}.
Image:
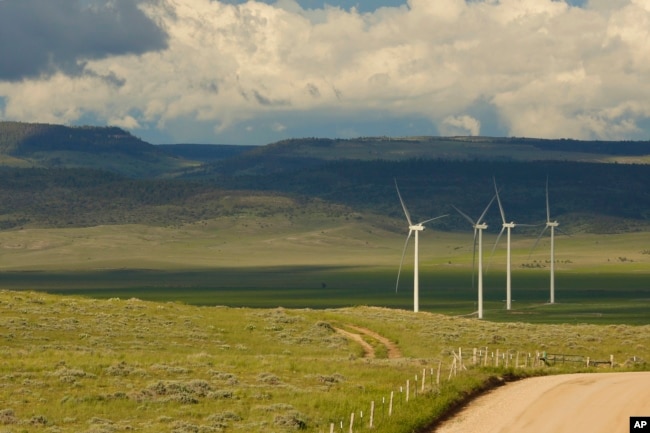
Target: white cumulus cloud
{"type": "Point", "coordinates": [539, 68]}
{"type": "Point", "coordinates": [460, 125]}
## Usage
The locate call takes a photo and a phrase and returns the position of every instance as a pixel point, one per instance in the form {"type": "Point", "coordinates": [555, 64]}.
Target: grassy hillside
{"type": "Point", "coordinates": [61, 146]}
{"type": "Point", "coordinates": [596, 197]}
{"type": "Point", "coordinates": [40, 198]}
{"type": "Point", "coordinates": [600, 198]}
{"type": "Point", "coordinates": [87, 176]}
{"type": "Point", "coordinates": [105, 148]}
{"type": "Point", "coordinates": [295, 153]}
{"type": "Point", "coordinates": [72, 364]}
{"type": "Point", "coordinates": [204, 152]}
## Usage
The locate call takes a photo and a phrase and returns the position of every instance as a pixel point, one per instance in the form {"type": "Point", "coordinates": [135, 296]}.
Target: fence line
{"type": "Point", "coordinates": [481, 357]}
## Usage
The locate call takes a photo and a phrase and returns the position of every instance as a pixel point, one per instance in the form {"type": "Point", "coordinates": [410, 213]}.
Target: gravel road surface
{"type": "Point", "coordinates": [570, 403]}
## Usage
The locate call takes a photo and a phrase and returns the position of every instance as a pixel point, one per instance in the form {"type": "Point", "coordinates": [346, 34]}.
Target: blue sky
{"type": "Point", "coordinates": [253, 72]}
{"type": "Point", "coordinates": [361, 6]}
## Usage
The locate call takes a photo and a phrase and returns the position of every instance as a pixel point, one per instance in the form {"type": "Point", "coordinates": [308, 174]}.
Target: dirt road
{"type": "Point", "coordinates": [369, 352]}
{"type": "Point", "coordinates": [594, 403]}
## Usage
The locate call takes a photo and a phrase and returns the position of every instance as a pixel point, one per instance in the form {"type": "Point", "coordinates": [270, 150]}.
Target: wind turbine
{"type": "Point", "coordinates": [479, 225]}
{"type": "Point", "coordinates": [552, 225]}
{"type": "Point", "coordinates": [413, 228]}
{"type": "Point", "coordinates": [505, 226]}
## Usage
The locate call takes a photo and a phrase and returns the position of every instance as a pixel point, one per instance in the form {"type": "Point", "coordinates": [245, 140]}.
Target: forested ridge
{"type": "Point", "coordinates": [291, 176]}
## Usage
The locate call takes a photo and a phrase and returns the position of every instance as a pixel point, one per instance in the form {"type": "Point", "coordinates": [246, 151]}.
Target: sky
{"type": "Point", "coordinates": [255, 72]}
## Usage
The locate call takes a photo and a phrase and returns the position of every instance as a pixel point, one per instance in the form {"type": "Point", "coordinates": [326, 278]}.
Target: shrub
{"type": "Point", "coordinates": [38, 420]}
{"type": "Point", "coordinates": [7, 417]}
{"type": "Point", "coordinates": [269, 379]}
{"type": "Point", "coordinates": [294, 420]}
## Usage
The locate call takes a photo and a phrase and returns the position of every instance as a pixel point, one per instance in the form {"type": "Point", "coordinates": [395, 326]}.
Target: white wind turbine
{"type": "Point", "coordinates": [505, 226]}
{"type": "Point", "coordinates": [552, 225]}
{"type": "Point", "coordinates": [479, 225]}
{"type": "Point", "coordinates": [413, 228]}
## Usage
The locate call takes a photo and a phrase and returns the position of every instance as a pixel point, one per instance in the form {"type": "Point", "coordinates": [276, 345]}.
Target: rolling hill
{"type": "Point", "coordinates": [57, 176]}
{"type": "Point", "coordinates": [107, 148]}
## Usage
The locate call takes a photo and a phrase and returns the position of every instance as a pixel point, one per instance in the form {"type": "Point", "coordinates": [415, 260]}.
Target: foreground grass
{"type": "Point", "coordinates": [71, 364]}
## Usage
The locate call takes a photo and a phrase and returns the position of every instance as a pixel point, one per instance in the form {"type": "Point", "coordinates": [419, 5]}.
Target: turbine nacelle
{"type": "Point", "coordinates": [481, 226]}
{"type": "Point", "coordinates": [552, 224]}
{"type": "Point", "coordinates": [509, 225]}
{"type": "Point", "coordinates": [417, 227]}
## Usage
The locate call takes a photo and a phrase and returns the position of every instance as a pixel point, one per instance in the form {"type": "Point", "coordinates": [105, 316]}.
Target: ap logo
{"type": "Point", "coordinates": [639, 424]}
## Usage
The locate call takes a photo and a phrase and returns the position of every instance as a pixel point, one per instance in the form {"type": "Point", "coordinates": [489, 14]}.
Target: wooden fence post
{"type": "Point", "coordinates": [438, 375]}
{"type": "Point", "coordinates": [390, 405]}
{"type": "Point", "coordinates": [372, 412]}
{"type": "Point", "coordinates": [452, 370]}
{"type": "Point", "coordinates": [351, 422]}
{"type": "Point", "coordinates": [424, 372]}
{"type": "Point", "coordinates": [408, 389]}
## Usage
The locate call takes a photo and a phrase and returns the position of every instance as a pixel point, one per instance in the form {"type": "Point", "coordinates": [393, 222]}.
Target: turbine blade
{"type": "Point", "coordinates": [548, 208]}
{"type": "Point", "coordinates": [495, 247]}
{"type": "Point", "coordinates": [537, 241]}
{"type": "Point", "coordinates": [478, 221]}
{"type": "Point", "coordinates": [503, 214]}
{"type": "Point", "coordinates": [402, 261]}
{"type": "Point", "coordinates": [433, 219]}
{"type": "Point", "coordinates": [474, 256]}
{"type": "Point", "coordinates": [464, 215]}
{"type": "Point", "coordinates": [406, 212]}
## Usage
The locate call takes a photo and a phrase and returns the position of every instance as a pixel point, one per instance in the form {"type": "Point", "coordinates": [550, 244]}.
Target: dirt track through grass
{"type": "Point", "coordinates": [392, 349]}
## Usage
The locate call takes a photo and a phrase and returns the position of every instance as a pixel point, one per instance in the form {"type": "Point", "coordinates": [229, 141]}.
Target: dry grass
{"type": "Point", "coordinates": [80, 365]}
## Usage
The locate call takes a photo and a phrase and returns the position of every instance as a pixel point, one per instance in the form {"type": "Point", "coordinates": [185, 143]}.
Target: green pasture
{"type": "Point", "coordinates": [332, 263]}
{"type": "Point", "coordinates": [75, 364]}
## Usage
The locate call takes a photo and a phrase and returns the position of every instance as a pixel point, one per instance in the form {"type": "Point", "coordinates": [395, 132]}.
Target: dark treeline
{"type": "Point", "coordinates": [600, 197]}
{"type": "Point", "coordinates": [630, 148]}
{"type": "Point", "coordinates": [590, 192]}
{"type": "Point", "coordinates": [19, 138]}
{"type": "Point", "coordinates": [126, 180]}
{"type": "Point", "coordinates": [82, 197]}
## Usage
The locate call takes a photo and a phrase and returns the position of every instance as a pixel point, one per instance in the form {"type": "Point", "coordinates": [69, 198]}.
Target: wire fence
{"type": "Point", "coordinates": [429, 379]}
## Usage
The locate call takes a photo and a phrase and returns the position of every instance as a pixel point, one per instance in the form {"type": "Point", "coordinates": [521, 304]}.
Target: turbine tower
{"type": "Point", "coordinates": [479, 225]}
{"type": "Point", "coordinates": [552, 225]}
{"type": "Point", "coordinates": [506, 226]}
{"type": "Point", "coordinates": [413, 228]}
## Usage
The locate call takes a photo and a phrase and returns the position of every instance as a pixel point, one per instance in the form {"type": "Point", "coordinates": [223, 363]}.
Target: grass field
{"type": "Point", "coordinates": [239, 324]}
{"type": "Point", "coordinates": [71, 364]}
{"type": "Point", "coordinates": [331, 263]}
